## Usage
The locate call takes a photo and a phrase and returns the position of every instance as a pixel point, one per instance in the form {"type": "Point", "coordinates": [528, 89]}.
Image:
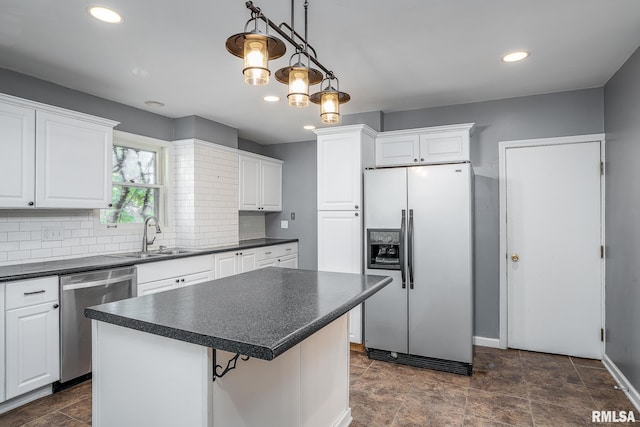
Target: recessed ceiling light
{"type": "Point", "coordinates": [156, 104]}
{"type": "Point", "coordinates": [105, 14]}
{"type": "Point", "coordinates": [271, 98]}
{"type": "Point", "coordinates": [515, 56]}
{"type": "Point", "coordinates": [309, 127]}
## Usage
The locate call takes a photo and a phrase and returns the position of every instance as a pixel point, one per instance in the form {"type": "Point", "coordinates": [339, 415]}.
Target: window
{"type": "Point", "coordinates": [137, 188]}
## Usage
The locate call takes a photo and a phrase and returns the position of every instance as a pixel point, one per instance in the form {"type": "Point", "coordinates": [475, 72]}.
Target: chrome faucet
{"type": "Point", "coordinates": [145, 239]}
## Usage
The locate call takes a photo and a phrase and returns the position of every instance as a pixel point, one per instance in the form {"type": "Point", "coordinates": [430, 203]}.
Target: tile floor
{"type": "Point", "coordinates": [508, 387]}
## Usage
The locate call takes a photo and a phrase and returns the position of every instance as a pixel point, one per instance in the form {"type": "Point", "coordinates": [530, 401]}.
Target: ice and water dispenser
{"type": "Point", "coordinates": [383, 248]}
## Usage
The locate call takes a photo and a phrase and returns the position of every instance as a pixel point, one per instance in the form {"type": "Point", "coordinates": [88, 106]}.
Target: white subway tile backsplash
{"type": "Point", "coordinates": [41, 253]}
{"type": "Point", "coordinates": [10, 226]}
{"type": "Point", "coordinates": [30, 244]}
{"type": "Point", "coordinates": [16, 236]}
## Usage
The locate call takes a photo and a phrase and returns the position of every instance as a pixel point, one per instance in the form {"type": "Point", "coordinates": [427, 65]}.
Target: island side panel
{"type": "Point", "coordinates": [307, 386]}
{"type": "Point", "coordinates": [325, 376]}
{"type": "Point", "coordinates": [141, 379]}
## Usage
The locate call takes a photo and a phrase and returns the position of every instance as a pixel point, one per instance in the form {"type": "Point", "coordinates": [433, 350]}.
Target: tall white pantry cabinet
{"type": "Point", "coordinates": [343, 153]}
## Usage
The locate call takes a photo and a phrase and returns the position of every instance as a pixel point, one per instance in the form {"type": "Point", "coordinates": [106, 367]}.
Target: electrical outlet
{"type": "Point", "coordinates": [52, 233]}
{"type": "Point", "coordinates": [293, 216]}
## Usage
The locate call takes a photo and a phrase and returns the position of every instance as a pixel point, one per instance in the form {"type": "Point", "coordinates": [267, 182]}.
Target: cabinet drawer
{"type": "Point", "coordinates": [288, 249]}
{"type": "Point", "coordinates": [266, 253]}
{"type": "Point", "coordinates": [25, 293]}
{"type": "Point", "coordinates": [174, 268]}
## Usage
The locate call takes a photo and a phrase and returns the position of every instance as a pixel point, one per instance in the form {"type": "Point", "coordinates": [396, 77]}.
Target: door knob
{"type": "Point", "coordinates": [515, 257]}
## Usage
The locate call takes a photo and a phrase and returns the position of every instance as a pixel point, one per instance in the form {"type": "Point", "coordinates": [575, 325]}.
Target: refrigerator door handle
{"type": "Point", "coordinates": [402, 231]}
{"type": "Point", "coordinates": [410, 255]}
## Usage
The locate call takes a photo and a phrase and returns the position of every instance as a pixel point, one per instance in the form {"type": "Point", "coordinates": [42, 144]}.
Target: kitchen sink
{"type": "Point", "coordinates": [155, 254]}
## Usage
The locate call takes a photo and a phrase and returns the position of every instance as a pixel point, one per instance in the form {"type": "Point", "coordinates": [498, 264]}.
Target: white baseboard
{"type": "Point", "coordinates": [25, 398]}
{"type": "Point", "coordinates": [622, 381]}
{"type": "Point", "coordinates": [345, 419]}
{"type": "Point", "coordinates": [486, 342]}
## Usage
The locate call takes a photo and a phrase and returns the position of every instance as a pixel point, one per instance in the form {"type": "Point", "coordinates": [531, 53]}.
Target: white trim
{"type": "Point", "coordinates": [466, 127]}
{"type": "Point", "coordinates": [486, 342]}
{"type": "Point", "coordinates": [21, 102]}
{"type": "Point", "coordinates": [623, 382]}
{"type": "Point", "coordinates": [346, 129]}
{"type": "Point", "coordinates": [345, 419]}
{"type": "Point", "coordinates": [502, 151]}
{"type": "Point", "coordinates": [259, 156]}
{"type": "Point", "coordinates": [23, 399]}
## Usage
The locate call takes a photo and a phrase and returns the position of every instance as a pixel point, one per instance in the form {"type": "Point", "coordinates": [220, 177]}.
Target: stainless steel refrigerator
{"type": "Point", "coordinates": [419, 230]}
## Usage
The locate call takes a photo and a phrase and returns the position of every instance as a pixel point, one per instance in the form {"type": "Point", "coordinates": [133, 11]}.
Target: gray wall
{"type": "Point", "coordinates": [299, 196]}
{"type": "Point", "coordinates": [134, 120]}
{"type": "Point", "coordinates": [540, 116]}
{"type": "Point", "coordinates": [131, 119]}
{"type": "Point", "coordinates": [206, 130]}
{"type": "Point", "coordinates": [253, 147]}
{"type": "Point", "coordinates": [622, 125]}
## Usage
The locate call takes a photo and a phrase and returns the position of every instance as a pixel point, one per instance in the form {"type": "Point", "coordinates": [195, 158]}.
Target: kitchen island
{"type": "Point", "coordinates": [264, 348]}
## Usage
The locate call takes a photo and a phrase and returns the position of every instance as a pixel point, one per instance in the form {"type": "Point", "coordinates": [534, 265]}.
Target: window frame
{"type": "Point", "coordinates": [163, 181]}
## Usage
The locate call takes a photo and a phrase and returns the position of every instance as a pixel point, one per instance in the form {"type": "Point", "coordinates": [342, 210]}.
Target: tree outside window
{"type": "Point", "coordinates": [135, 190]}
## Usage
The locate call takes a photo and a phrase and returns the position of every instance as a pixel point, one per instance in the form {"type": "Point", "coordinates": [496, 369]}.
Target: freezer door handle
{"type": "Point", "coordinates": [402, 231]}
{"type": "Point", "coordinates": [410, 255]}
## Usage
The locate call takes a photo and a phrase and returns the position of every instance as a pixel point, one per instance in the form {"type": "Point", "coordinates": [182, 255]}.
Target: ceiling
{"type": "Point", "coordinates": [389, 55]}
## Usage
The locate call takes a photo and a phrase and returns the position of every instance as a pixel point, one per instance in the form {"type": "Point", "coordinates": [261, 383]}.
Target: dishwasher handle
{"type": "Point", "coordinates": [98, 282]}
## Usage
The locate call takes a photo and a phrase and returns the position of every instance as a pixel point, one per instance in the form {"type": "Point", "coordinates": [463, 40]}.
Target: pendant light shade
{"type": "Point", "coordinates": [299, 77]}
{"type": "Point", "coordinates": [330, 99]}
{"type": "Point", "coordinates": [256, 48]}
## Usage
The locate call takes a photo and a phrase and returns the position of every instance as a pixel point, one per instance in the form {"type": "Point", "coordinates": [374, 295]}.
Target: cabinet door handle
{"type": "Point", "coordinates": [422, 160]}
{"type": "Point", "coordinates": [30, 203]}
{"type": "Point", "coordinates": [34, 292]}
{"type": "Point", "coordinates": [56, 305]}
{"type": "Point", "coordinates": [356, 206]}
{"type": "Point", "coordinates": [177, 280]}
{"type": "Point", "coordinates": [415, 160]}
{"type": "Point", "coordinates": [356, 213]}
{"type": "Point", "coordinates": [267, 253]}
{"type": "Point", "coordinates": [182, 280]}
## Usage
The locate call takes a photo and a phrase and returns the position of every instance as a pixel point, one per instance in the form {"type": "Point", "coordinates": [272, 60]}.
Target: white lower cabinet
{"type": "Point", "coordinates": [166, 275]}
{"type": "Point", "coordinates": [235, 262]}
{"type": "Point", "coordinates": [285, 256]}
{"type": "Point", "coordinates": [32, 345]}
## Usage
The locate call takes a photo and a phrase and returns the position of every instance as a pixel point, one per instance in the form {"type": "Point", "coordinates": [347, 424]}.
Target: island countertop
{"type": "Point", "coordinates": [261, 313]}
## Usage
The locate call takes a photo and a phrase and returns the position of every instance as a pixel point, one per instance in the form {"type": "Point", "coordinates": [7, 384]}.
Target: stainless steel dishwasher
{"type": "Point", "coordinates": [78, 291]}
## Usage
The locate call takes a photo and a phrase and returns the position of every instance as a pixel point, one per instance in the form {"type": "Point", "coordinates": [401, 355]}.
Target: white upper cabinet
{"type": "Point", "coordinates": [249, 183]}
{"type": "Point", "coordinates": [17, 167]}
{"type": "Point", "coordinates": [260, 183]}
{"type": "Point", "coordinates": [441, 144]}
{"type": "Point", "coordinates": [271, 185]}
{"type": "Point", "coordinates": [343, 153]}
{"type": "Point", "coordinates": [392, 150]}
{"type": "Point", "coordinates": [73, 162]}
{"type": "Point", "coordinates": [52, 157]}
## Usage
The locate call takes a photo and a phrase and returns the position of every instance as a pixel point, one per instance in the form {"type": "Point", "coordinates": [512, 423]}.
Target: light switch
{"type": "Point", "coordinates": [293, 216]}
{"type": "Point", "coordinates": [284, 224]}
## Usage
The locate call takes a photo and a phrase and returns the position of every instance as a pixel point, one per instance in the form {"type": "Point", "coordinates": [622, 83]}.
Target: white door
{"type": "Point", "coordinates": [17, 162]}
{"type": "Point", "coordinates": [554, 287]}
{"type": "Point", "coordinates": [226, 264]}
{"type": "Point", "coordinates": [73, 162]}
{"type": "Point", "coordinates": [249, 181]}
{"type": "Point", "coordinates": [270, 186]}
{"type": "Point", "coordinates": [32, 347]}
{"type": "Point", "coordinates": [247, 261]}
{"type": "Point", "coordinates": [339, 172]}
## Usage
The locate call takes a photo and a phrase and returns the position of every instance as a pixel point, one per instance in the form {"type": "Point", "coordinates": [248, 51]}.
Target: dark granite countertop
{"type": "Point", "coordinates": [261, 313]}
{"type": "Point", "coordinates": [79, 265]}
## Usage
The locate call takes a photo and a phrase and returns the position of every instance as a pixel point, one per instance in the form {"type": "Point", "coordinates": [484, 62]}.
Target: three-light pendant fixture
{"type": "Point", "coordinates": [257, 48]}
